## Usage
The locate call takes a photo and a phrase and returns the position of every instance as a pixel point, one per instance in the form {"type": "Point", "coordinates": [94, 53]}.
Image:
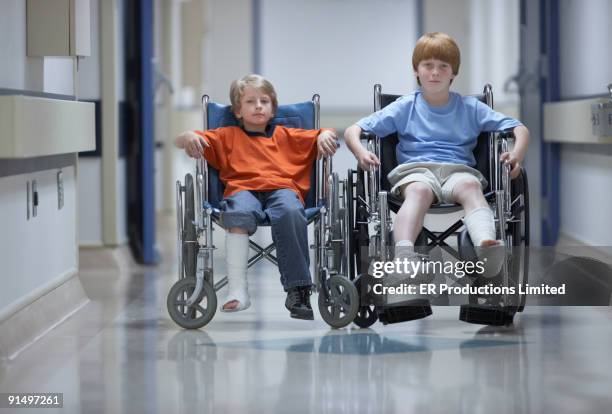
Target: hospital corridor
{"type": "Point", "coordinates": [143, 159]}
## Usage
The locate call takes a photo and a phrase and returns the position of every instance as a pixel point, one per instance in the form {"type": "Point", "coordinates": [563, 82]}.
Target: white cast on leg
{"type": "Point", "coordinates": [236, 257]}
{"type": "Point", "coordinates": [480, 224]}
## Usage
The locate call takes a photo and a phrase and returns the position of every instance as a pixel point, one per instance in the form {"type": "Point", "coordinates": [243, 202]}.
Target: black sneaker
{"type": "Point", "coordinates": [298, 303]}
{"type": "Point", "coordinates": [306, 292]}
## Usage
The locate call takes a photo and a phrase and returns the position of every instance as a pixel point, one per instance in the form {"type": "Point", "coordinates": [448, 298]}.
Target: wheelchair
{"type": "Point", "coordinates": [371, 236]}
{"type": "Point", "coordinates": [192, 300]}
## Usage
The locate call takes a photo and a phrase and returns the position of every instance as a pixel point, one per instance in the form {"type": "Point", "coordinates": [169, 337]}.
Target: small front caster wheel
{"type": "Point", "coordinates": [340, 304]}
{"type": "Point", "coordinates": [197, 315]}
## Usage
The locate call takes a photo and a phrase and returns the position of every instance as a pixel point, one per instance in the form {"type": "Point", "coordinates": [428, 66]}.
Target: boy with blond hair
{"type": "Point", "coordinates": [266, 172]}
{"type": "Point", "coordinates": [437, 131]}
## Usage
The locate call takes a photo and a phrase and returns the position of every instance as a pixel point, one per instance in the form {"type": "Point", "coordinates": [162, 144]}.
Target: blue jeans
{"type": "Point", "coordinates": [285, 212]}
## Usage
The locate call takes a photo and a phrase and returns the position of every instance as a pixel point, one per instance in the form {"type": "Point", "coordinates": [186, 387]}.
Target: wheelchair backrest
{"type": "Point", "coordinates": [300, 115]}
{"type": "Point", "coordinates": [388, 158]}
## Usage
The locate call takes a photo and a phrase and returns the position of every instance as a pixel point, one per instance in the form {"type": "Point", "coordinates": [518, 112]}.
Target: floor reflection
{"type": "Point", "coordinates": [121, 353]}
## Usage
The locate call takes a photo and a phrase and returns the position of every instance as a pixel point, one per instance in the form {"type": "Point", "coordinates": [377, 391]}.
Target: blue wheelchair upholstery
{"type": "Point", "coordinates": [298, 115]}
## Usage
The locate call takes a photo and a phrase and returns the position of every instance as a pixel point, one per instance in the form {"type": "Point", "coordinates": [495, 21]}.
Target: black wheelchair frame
{"type": "Point", "coordinates": [371, 205]}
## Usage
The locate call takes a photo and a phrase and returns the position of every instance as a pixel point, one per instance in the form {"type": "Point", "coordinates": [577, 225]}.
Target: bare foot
{"type": "Point", "coordinates": [231, 305]}
{"type": "Point", "coordinates": [492, 253]}
{"type": "Point", "coordinates": [490, 243]}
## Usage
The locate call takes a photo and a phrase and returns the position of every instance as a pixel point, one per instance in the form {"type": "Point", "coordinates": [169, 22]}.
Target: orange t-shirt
{"type": "Point", "coordinates": [260, 163]}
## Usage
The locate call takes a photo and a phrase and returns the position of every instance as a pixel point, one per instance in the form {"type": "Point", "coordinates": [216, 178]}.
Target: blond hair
{"type": "Point", "coordinates": [256, 81]}
{"type": "Point", "coordinates": [437, 45]}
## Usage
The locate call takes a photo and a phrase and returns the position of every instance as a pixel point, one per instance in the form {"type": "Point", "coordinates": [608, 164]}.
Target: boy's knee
{"type": "Point", "coordinates": [293, 213]}
{"type": "Point", "coordinates": [418, 190]}
{"type": "Point", "coordinates": [467, 187]}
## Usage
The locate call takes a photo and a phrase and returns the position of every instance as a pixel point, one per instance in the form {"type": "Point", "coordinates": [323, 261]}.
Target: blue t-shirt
{"type": "Point", "coordinates": [444, 134]}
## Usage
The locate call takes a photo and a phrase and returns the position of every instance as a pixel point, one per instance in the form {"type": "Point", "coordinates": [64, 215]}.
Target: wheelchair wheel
{"type": "Point", "coordinates": [336, 220]}
{"type": "Point", "coordinates": [366, 314]}
{"type": "Point", "coordinates": [361, 237]}
{"type": "Point", "coordinates": [190, 245]}
{"type": "Point", "coordinates": [196, 316]}
{"type": "Point", "coordinates": [340, 304]}
{"type": "Point", "coordinates": [518, 231]}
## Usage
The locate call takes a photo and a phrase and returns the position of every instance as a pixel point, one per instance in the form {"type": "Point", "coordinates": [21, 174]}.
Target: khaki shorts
{"type": "Point", "coordinates": [441, 178]}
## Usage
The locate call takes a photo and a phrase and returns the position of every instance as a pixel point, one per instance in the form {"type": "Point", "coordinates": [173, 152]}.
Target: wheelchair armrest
{"type": "Point", "coordinates": [506, 134]}
{"type": "Point", "coordinates": [200, 164]}
{"type": "Point", "coordinates": [202, 167]}
{"type": "Point", "coordinates": [368, 136]}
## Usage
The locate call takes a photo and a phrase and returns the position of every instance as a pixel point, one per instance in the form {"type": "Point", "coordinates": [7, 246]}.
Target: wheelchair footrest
{"type": "Point", "coordinates": [486, 315]}
{"type": "Point", "coordinates": [403, 313]}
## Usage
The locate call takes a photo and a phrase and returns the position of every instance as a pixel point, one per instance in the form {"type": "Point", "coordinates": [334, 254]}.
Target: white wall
{"type": "Point", "coordinates": [122, 163]}
{"type": "Point", "coordinates": [91, 215]}
{"type": "Point", "coordinates": [12, 48]}
{"type": "Point", "coordinates": [90, 168]}
{"type": "Point", "coordinates": [121, 201]}
{"type": "Point", "coordinates": [90, 201]}
{"type": "Point", "coordinates": [338, 49]}
{"type": "Point", "coordinates": [493, 47]}
{"type": "Point", "coordinates": [227, 54]}
{"type": "Point", "coordinates": [585, 69]}
{"type": "Point", "coordinates": [228, 45]}
{"type": "Point", "coordinates": [454, 18]}
{"type": "Point", "coordinates": [585, 52]}
{"type": "Point", "coordinates": [121, 175]}
{"type": "Point", "coordinates": [63, 84]}
{"type": "Point", "coordinates": [168, 55]}
{"type": "Point", "coordinates": [88, 74]}
{"type": "Point", "coordinates": [112, 93]}
{"type": "Point", "coordinates": [487, 33]}
{"type": "Point", "coordinates": [55, 75]}
{"type": "Point", "coordinates": [36, 252]}
{"type": "Point", "coordinates": [585, 178]}
{"type": "Point", "coordinates": [17, 71]}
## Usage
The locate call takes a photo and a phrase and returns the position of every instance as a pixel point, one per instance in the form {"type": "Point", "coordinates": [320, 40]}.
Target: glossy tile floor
{"type": "Point", "coordinates": [121, 353]}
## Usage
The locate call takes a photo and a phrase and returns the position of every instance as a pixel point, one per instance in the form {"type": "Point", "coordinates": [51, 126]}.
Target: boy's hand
{"type": "Point", "coordinates": [514, 161]}
{"type": "Point", "coordinates": [192, 143]}
{"type": "Point", "coordinates": [327, 143]}
{"type": "Point", "coordinates": [367, 160]}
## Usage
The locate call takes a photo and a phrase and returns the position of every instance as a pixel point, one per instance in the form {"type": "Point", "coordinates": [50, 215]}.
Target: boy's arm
{"type": "Point", "coordinates": [192, 143]}
{"type": "Point", "coordinates": [365, 158]}
{"type": "Point", "coordinates": [517, 155]}
{"type": "Point", "coordinates": [327, 143]}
